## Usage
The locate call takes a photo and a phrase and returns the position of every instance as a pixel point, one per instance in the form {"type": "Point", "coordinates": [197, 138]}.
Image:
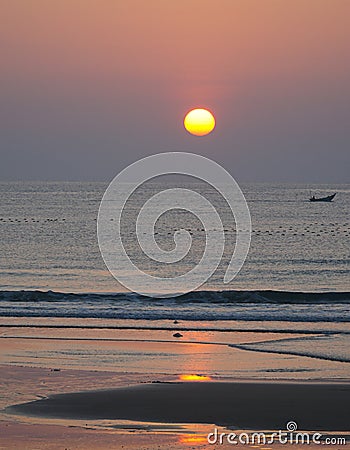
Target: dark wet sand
{"type": "Point", "coordinates": [259, 406]}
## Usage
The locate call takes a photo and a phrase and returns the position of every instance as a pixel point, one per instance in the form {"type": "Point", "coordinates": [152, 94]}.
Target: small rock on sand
{"type": "Point", "coordinates": [177, 335]}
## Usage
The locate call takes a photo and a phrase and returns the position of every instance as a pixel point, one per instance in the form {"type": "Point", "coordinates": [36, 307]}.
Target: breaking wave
{"type": "Point", "coordinates": [210, 297]}
{"type": "Point", "coordinates": [195, 306]}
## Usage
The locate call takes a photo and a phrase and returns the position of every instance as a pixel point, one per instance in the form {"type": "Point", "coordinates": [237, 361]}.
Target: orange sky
{"type": "Point", "coordinates": [109, 67]}
{"type": "Point", "coordinates": [186, 41]}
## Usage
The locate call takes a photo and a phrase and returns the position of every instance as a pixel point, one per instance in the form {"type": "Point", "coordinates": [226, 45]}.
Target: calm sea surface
{"type": "Point", "coordinates": [49, 242]}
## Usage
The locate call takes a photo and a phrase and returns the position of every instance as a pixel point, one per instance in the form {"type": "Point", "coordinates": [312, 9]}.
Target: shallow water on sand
{"type": "Point", "coordinates": [247, 353]}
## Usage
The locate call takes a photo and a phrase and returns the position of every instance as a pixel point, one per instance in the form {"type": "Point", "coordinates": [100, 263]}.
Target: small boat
{"type": "Point", "coordinates": [323, 199]}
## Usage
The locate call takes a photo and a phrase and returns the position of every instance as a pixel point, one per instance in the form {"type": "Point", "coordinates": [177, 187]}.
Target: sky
{"type": "Point", "coordinates": [89, 86]}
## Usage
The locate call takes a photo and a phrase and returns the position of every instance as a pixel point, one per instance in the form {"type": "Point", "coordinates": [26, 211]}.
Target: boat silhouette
{"type": "Point", "coordinates": [329, 198]}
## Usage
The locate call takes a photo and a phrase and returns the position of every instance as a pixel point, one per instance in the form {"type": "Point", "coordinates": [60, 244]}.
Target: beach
{"type": "Point", "coordinates": [144, 388]}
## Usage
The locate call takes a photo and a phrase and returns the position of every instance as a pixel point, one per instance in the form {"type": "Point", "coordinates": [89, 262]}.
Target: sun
{"type": "Point", "coordinates": [199, 122]}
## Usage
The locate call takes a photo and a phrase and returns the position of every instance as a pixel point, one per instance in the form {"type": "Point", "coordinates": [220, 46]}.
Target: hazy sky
{"type": "Point", "coordinates": [89, 86]}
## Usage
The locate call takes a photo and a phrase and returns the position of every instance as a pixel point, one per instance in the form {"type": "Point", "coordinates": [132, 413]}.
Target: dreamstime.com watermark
{"type": "Point", "coordinates": [289, 436]}
{"type": "Point", "coordinates": [115, 203]}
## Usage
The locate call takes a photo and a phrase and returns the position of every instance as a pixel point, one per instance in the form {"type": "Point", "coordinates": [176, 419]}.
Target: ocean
{"type": "Point", "coordinates": [295, 279]}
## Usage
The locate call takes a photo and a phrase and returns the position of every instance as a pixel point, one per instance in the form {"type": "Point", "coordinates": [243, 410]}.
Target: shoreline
{"type": "Point", "coordinates": [37, 362]}
{"type": "Point", "coordinates": [27, 384]}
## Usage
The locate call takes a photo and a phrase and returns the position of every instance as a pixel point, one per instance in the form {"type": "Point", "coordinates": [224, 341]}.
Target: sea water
{"type": "Point", "coordinates": [297, 270]}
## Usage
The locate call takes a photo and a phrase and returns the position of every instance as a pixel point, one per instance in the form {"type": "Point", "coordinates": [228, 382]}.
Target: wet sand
{"type": "Point", "coordinates": [135, 375]}
{"type": "Point", "coordinates": [15, 436]}
{"type": "Point", "coordinates": [257, 406]}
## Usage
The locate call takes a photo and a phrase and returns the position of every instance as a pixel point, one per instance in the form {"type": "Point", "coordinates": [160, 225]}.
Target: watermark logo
{"type": "Point", "coordinates": [290, 436]}
{"type": "Point", "coordinates": [292, 426]}
{"type": "Point", "coordinates": [114, 206]}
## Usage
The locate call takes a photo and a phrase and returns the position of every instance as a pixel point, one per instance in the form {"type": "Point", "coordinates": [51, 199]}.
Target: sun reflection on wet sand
{"type": "Point", "coordinates": [193, 439]}
{"type": "Point", "coordinates": [194, 377]}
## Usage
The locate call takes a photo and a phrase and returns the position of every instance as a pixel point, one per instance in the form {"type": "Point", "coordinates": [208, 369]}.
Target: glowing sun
{"type": "Point", "coordinates": [199, 122]}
